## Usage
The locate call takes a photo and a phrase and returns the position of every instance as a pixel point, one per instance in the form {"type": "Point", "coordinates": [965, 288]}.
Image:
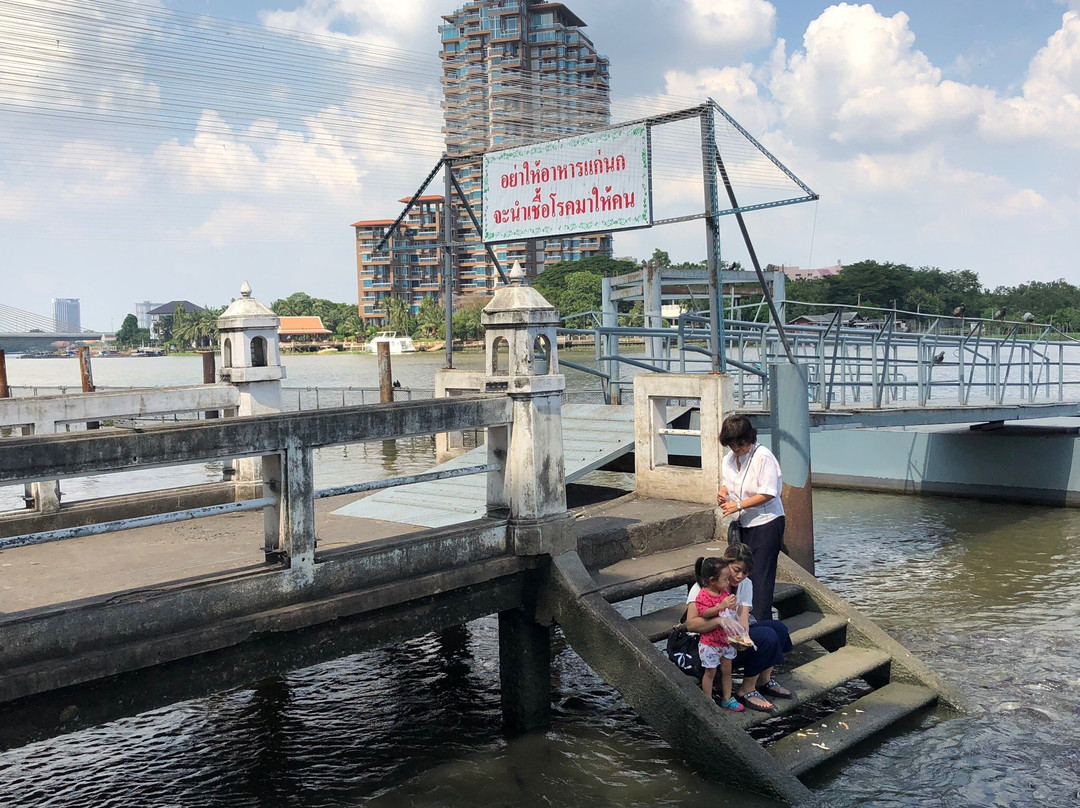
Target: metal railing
{"type": "Point", "coordinates": [858, 357]}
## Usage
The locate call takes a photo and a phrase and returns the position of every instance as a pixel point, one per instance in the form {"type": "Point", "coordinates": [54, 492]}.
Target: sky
{"type": "Point", "coordinates": [174, 149]}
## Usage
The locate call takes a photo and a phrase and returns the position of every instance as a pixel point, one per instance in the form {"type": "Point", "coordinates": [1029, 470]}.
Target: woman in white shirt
{"type": "Point", "coordinates": [751, 489]}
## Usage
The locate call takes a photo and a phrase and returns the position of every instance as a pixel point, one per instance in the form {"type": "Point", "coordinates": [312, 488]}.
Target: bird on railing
{"type": "Point", "coordinates": [959, 310]}
{"type": "Point", "coordinates": [1000, 314]}
{"type": "Point", "coordinates": [939, 357]}
{"type": "Point", "coordinates": [1028, 317]}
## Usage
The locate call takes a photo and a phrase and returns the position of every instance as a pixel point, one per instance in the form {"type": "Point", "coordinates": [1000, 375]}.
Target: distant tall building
{"type": "Point", "coordinates": [65, 312]}
{"type": "Point", "coordinates": [142, 313]}
{"type": "Point", "coordinates": [404, 274]}
{"type": "Point", "coordinates": [514, 72]}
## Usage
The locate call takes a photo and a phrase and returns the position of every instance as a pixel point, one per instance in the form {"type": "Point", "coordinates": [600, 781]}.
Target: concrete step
{"type": "Point", "coordinates": [849, 726]}
{"type": "Point", "coordinates": [807, 626]}
{"type": "Point", "coordinates": [813, 680]}
{"type": "Point", "coordinates": [656, 625]}
{"type": "Point", "coordinates": [804, 627]}
{"type": "Point", "coordinates": [643, 575]}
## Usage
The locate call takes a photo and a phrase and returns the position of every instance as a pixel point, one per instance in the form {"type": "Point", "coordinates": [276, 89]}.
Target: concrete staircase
{"type": "Point", "coordinates": [835, 647]}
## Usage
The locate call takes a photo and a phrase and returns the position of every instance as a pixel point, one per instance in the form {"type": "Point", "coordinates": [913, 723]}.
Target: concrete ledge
{"type": "Point", "coordinates": [630, 526]}
{"type": "Point", "coordinates": [55, 632]}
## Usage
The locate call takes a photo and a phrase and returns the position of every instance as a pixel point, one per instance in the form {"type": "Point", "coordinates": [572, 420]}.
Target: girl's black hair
{"type": "Point", "coordinates": [708, 568]}
{"type": "Point", "coordinates": [742, 554]}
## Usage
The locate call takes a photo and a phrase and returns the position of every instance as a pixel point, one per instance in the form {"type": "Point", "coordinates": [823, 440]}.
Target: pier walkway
{"type": "Point", "coordinates": [110, 614]}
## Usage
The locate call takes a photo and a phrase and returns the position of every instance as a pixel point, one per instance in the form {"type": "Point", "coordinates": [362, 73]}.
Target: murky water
{"type": "Point", "coordinates": [989, 594]}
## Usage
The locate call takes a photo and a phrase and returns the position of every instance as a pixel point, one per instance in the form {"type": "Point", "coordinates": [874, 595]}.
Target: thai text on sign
{"type": "Point", "coordinates": [580, 184]}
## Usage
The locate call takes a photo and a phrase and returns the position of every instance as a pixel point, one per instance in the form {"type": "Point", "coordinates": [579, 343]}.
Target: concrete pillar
{"type": "Point", "coordinates": [609, 342]}
{"type": "Point", "coordinates": [524, 672]}
{"type": "Point", "coordinates": [658, 398]}
{"type": "Point", "coordinates": [449, 383]}
{"type": "Point", "coordinates": [789, 415]}
{"type": "Point", "coordinates": [251, 360]}
{"type": "Point", "coordinates": [652, 302]}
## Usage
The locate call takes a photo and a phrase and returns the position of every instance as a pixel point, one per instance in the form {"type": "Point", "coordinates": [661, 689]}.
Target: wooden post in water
{"type": "Point", "coordinates": [5, 391]}
{"type": "Point", "coordinates": [86, 375]}
{"type": "Point", "coordinates": [209, 376]}
{"type": "Point", "coordinates": [386, 374]}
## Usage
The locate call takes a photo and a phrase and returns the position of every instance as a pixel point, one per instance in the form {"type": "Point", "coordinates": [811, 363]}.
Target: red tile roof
{"type": "Point", "coordinates": [373, 223]}
{"type": "Point", "coordinates": [302, 325]}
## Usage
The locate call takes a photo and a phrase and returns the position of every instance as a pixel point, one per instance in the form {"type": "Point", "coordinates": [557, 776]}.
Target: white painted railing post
{"type": "Point", "coordinates": [251, 360]}
{"type": "Point", "coordinates": [522, 361]}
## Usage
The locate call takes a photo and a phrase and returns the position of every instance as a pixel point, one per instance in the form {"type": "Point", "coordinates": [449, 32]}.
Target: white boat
{"type": "Point", "coordinates": [398, 344]}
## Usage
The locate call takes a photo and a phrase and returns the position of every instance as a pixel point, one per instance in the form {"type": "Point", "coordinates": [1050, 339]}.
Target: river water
{"type": "Point", "coordinates": [987, 593]}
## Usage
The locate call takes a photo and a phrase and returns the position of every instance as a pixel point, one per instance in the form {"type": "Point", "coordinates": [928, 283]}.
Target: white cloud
{"type": "Point", "coordinates": [236, 221]}
{"type": "Point", "coordinates": [13, 204]}
{"type": "Point", "coordinates": [735, 26]}
{"type": "Point", "coordinates": [859, 80]}
{"type": "Point", "coordinates": [1049, 107]}
{"type": "Point", "coordinates": [261, 159]}
{"type": "Point", "coordinates": [95, 173]}
{"type": "Point", "coordinates": [401, 23]}
{"type": "Point", "coordinates": [45, 63]}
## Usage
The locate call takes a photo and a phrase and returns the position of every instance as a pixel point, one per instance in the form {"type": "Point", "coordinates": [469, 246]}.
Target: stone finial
{"type": "Point", "coordinates": [517, 275]}
{"type": "Point", "coordinates": [245, 290]}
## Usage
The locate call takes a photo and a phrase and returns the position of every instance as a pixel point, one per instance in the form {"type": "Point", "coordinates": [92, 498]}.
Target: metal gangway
{"type": "Point", "coordinates": [855, 357]}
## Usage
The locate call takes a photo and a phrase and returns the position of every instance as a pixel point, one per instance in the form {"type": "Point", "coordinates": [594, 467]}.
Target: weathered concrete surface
{"type": "Point", "coordinates": [631, 526]}
{"type": "Point", "coordinates": [93, 453]}
{"type": "Point", "coordinates": [672, 704]}
{"type": "Point", "coordinates": [654, 477]}
{"type": "Point", "coordinates": [128, 506]}
{"type": "Point", "coordinates": [263, 654]}
{"type": "Point", "coordinates": [50, 574]}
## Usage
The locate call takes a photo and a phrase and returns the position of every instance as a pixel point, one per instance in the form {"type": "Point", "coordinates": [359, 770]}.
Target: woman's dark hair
{"type": "Point", "coordinates": [708, 568]}
{"type": "Point", "coordinates": [740, 554]}
{"type": "Point", "coordinates": [737, 430]}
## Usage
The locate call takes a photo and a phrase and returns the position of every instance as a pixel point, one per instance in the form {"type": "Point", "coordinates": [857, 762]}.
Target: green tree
{"type": "Point", "coordinates": [398, 316]}
{"type": "Point", "coordinates": [430, 316]}
{"type": "Point", "coordinates": [466, 321]}
{"type": "Point", "coordinates": [582, 294]}
{"type": "Point", "coordinates": [128, 334]}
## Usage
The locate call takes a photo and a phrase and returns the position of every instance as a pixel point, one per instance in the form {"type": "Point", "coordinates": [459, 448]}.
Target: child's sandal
{"type": "Point", "coordinates": [732, 704]}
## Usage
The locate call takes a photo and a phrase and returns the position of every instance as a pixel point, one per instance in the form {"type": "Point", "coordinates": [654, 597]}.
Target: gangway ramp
{"type": "Point", "coordinates": [593, 435]}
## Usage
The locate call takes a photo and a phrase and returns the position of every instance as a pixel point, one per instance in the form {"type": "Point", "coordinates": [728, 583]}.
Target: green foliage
{"type": "Point", "coordinates": [466, 321]}
{"type": "Point", "coordinates": [398, 315]}
{"type": "Point", "coordinates": [335, 316]}
{"type": "Point", "coordinates": [573, 287]}
{"type": "Point", "coordinates": [196, 329]}
{"type": "Point", "coordinates": [128, 334]}
{"type": "Point", "coordinates": [932, 291]}
{"type": "Point", "coordinates": [430, 317]}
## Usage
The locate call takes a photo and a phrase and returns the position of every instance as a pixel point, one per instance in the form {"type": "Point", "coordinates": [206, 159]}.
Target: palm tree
{"type": "Point", "coordinates": [430, 316]}
{"type": "Point", "coordinates": [398, 315]}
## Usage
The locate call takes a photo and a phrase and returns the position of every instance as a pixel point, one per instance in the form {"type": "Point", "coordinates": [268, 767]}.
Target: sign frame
{"type": "Point", "coordinates": [590, 183]}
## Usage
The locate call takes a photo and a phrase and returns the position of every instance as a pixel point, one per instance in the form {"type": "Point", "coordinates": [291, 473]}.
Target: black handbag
{"type": "Point", "coordinates": [682, 649]}
{"type": "Point", "coordinates": [734, 532]}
